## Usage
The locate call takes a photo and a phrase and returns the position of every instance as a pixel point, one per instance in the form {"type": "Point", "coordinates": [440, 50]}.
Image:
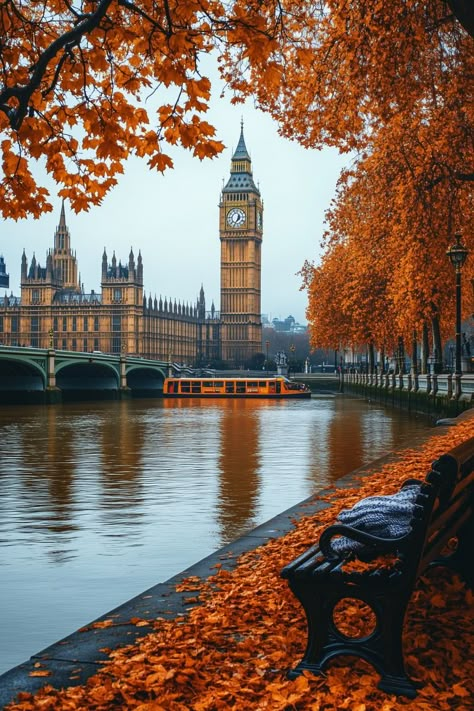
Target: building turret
{"type": "Point", "coordinates": [131, 265]}
{"type": "Point", "coordinates": [49, 266]}
{"type": "Point", "coordinates": [4, 277]}
{"type": "Point", "coordinates": [139, 268]}
{"type": "Point", "coordinates": [64, 265]}
{"type": "Point", "coordinates": [62, 239]}
{"type": "Point", "coordinates": [104, 264]}
{"type": "Point", "coordinates": [201, 304]}
{"type": "Point", "coordinates": [32, 273]}
{"type": "Point", "coordinates": [24, 266]}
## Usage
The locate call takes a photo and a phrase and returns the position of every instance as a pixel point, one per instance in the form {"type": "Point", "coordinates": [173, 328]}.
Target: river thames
{"type": "Point", "coordinates": [100, 501]}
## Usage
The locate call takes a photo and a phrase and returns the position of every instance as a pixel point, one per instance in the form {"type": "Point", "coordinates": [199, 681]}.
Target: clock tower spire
{"type": "Point", "coordinates": [240, 230]}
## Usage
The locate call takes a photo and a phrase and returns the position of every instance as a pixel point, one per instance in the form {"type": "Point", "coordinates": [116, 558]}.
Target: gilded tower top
{"type": "Point", "coordinates": [241, 179]}
{"type": "Point", "coordinates": [241, 152]}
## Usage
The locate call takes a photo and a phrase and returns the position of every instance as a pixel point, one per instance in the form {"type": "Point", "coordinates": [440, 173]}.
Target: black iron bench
{"type": "Point", "coordinates": [443, 510]}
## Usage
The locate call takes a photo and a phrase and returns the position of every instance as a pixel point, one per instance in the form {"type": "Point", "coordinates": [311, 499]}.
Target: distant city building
{"type": "Point", "coordinates": [289, 325]}
{"type": "Point", "coordinates": [4, 277]}
{"type": "Point", "coordinates": [54, 311]}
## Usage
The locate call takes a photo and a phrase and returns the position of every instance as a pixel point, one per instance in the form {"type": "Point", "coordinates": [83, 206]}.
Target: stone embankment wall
{"type": "Point", "coordinates": [443, 395]}
{"type": "Point", "coordinates": [437, 395]}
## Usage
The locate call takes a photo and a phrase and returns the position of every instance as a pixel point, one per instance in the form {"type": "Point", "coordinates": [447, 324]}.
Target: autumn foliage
{"type": "Point", "coordinates": [85, 85]}
{"type": "Point", "coordinates": [397, 91]}
{"type": "Point", "coordinates": [233, 650]}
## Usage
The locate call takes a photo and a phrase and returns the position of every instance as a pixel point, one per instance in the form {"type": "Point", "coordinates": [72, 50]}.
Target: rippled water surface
{"type": "Point", "coordinates": [100, 501]}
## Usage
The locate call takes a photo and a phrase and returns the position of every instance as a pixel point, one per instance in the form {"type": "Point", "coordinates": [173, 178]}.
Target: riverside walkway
{"type": "Point", "coordinates": [73, 660]}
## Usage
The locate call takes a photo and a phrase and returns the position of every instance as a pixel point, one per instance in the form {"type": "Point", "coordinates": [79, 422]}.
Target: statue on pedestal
{"type": "Point", "coordinates": [281, 363]}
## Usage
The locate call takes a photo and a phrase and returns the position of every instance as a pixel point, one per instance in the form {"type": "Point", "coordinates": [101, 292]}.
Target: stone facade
{"type": "Point", "coordinates": [55, 312]}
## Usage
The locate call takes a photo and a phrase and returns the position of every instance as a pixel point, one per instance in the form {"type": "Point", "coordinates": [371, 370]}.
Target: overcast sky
{"type": "Point", "coordinates": [173, 218]}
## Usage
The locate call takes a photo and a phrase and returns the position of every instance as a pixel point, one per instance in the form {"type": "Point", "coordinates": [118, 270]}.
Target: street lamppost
{"type": "Point", "coordinates": [457, 254]}
{"type": "Point", "coordinates": [267, 346]}
{"type": "Point", "coordinates": [292, 350]}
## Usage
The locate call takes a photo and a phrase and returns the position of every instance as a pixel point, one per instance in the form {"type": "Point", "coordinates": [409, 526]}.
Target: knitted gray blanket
{"type": "Point", "coordinates": [384, 516]}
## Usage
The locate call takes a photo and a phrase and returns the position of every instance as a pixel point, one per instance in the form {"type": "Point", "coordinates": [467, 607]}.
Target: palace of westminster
{"type": "Point", "coordinates": [54, 312]}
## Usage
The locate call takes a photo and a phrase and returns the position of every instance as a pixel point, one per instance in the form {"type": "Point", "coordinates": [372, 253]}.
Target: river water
{"type": "Point", "coordinates": [100, 501]}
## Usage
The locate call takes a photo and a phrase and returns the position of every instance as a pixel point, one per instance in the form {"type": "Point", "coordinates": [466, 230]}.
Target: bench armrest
{"type": "Point", "coordinates": [386, 545]}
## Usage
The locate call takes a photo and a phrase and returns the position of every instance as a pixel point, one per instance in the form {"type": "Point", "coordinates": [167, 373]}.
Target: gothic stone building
{"type": "Point", "coordinates": [55, 312]}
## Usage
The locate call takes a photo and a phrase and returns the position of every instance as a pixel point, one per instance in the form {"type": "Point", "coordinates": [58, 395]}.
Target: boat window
{"type": "Point", "coordinates": [262, 384]}
{"type": "Point", "coordinates": [207, 384]}
{"type": "Point", "coordinates": [196, 387]}
{"type": "Point", "coordinates": [252, 387]}
{"type": "Point", "coordinates": [185, 386]}
{"type": "Point", "coordinates": [218, 384]}
{"type": "Point", "coordinates": [278, 387]}
{"type": "Point", "coordinates": [240, 387]}
{"type": "Point", "coordinates": [229, 386]}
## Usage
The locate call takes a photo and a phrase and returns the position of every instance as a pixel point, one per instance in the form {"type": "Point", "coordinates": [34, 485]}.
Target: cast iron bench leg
{"type": "Point", "coordinates": [382, 648]}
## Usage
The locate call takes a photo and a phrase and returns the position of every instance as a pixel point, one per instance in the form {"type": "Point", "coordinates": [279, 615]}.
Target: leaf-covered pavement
{"type": "Point", "coordinates": [234, 649]}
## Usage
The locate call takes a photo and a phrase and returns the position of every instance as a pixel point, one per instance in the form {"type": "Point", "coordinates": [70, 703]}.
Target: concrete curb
{"type": "Point", "coordinates": [72, 660]}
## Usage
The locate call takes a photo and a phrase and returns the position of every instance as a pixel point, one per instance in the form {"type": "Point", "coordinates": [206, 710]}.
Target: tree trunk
{"type": "Point", "coordinates": [371, 358]}
{"type": "Point", "coordinates": [401, 355]}
{"type": "Point", "coordinates": [437, 347]}
{"type": "Point", "coordinates": [425, 349]}
{"type": "Point", "coordinates": [414, 354]}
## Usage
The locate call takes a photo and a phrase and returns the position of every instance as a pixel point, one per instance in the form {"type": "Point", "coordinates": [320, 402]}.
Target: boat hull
{"type": "Point", "coordinates": [240, 396]}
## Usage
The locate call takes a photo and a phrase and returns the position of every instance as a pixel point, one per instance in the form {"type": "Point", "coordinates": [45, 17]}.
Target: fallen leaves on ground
{"type": "Point", "coordinates": [233, 651]}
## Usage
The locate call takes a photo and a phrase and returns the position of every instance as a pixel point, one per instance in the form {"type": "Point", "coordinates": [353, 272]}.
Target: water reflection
{"type": "Point", "coordinates": [239, 467]}
{"type": "Point", "coordinates": [99, 501]}
{"type": "Point", "coordinates": [120, 440]}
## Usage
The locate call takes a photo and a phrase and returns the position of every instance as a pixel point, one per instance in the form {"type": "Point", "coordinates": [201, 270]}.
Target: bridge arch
{"type": "Point", "coordinates": [145, 378]}
{"type": "Point", "coordinates": [22, 375]}
{"type": "Point", "coordinates": [87, 376]}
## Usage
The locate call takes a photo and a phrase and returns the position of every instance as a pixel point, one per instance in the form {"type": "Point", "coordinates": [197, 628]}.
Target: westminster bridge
{"type": "Point", "coordinates": [46, 375]}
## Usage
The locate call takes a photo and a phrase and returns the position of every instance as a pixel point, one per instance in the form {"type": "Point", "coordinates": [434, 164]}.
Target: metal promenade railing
{"type": "Point", "coordinates": [443, 385]}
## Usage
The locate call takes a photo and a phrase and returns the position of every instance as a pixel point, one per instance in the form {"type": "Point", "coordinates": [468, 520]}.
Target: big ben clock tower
{"type": "Point", "coordinates": [240, 229]}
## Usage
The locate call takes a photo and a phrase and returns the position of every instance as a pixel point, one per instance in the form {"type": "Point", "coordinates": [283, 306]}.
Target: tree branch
{"type": "Point", "coordinates": [463, 10]}
{"type": "Point", "coordinates": [66, 41]}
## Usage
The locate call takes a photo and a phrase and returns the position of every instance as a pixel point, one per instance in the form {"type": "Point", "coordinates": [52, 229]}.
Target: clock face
{"type": "Point", "coordinates": [235, 217]}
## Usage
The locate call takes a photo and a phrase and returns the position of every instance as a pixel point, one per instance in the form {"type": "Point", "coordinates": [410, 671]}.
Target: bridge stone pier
{"type": "Point", "coordinates": [51, 372]}
{"type": "Point", "coordinates": [45, 376]}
